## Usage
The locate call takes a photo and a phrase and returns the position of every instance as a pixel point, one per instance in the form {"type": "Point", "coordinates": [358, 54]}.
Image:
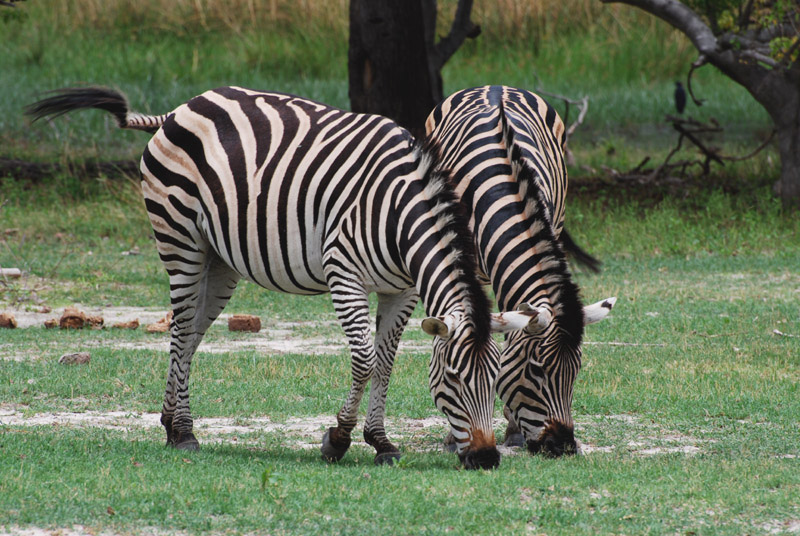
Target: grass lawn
{"type": "Point", "coordinates": [687, 405]}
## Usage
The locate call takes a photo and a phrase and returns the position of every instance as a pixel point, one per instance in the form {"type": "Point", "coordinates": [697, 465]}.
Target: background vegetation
{"type": "Point", "coordinates": [688, 398]}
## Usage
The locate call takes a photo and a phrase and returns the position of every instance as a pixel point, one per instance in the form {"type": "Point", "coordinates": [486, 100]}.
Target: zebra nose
{"type": "Point", "coordinates": [556, 440]}
{"type": "Point", "coordinates": [486, 458]}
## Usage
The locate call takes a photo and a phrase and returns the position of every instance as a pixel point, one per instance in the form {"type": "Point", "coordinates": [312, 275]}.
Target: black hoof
{"type": "Point", "coordinates": [188, 444]}
{"type": "Point", "coordinates": [184, 442]}
{"type": "Point", "coordinates": [450, 443]}
{"type": "Point", "coordinates": [333, 448]}
{"type": "Point", "coordinates": [514, 440]}
{"type": "Point", "coordinates": [386, 458]}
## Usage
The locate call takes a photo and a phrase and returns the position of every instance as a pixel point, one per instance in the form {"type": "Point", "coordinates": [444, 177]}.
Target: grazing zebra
{"type": "Point", "coordinates": [303, 198]}
{"type": "Point", "coordinates": [504, 147]}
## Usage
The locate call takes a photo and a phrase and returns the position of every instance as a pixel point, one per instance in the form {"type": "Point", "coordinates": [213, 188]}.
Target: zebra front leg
{"type": "Point", "coordinates": [198, 297]}
{"type": "Point", "coordinates": [392, 316]}
{"type": "Point", "coordinates": [514, 437]}
{"type": "Point", "coordinates": [352, 308]}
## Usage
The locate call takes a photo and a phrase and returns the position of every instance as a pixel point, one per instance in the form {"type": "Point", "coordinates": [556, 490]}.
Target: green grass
{"type": "Point", "coordinates": [131, 482]}
{"type": "Point", "coordinates": [688, 399]}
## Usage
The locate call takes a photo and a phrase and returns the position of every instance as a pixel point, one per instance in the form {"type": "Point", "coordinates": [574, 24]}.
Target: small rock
{"type": "Point", "coordinates": [162, 326]}
{"type": "Point", "coordinates": [10, 273]}
{"type": "Point", "coordinates": [7, 320]}
{"type": "Point", "coordinates": [44, 309]}
{"type": "Point", "coordinates": [51, 323]}
{"type": "Point", "coordinates": [133, 324]}
{"type": "Point", "coordinates": [79, 358]}
{"type": "Point", "coordinates": [244, 323]}
{"type": "Point", "coordinates": [72, 319]}
{"type": "Point", "coordinates": [95, 322]}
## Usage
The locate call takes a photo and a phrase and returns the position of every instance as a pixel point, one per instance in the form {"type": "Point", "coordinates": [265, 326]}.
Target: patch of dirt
{"type": "Point", "coordinates": [80, 530]}
{"type": "Point", "coordinates": [306, 432]}
{"type": "Point", "coordinates": [277, 337]}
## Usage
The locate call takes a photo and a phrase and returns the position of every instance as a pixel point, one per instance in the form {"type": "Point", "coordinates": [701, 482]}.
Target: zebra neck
{"type": "Point", "coordinates": [433, 237]}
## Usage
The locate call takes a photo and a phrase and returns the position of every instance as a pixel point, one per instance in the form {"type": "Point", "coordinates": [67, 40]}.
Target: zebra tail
{"type": "Point", "coordinates": [580, 255]}
{"type": "Point", "coordinates": [69, 99]}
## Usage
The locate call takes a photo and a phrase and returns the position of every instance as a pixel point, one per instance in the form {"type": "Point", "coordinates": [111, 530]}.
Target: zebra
{"type": "Point", "coordinates": [303, 198]}
{"type": "Point", "coordinates": [504, 147]}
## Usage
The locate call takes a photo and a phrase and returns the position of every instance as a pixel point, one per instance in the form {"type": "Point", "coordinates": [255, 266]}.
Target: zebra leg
{"type": "Point", "coordinates": [352, 307]}
{"type": "Point", "coordinates": [393, 313]}
{"type": "Point", "coordinates": [200, 287]}
{"type": "Point", "coordinates": [514, 436]}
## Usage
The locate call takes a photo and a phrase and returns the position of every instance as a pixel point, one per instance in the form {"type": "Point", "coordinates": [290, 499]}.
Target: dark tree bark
{"type": "Point", "coordinates": [394, 62]}
{"type": "Point", "coordinates": [745, 57]}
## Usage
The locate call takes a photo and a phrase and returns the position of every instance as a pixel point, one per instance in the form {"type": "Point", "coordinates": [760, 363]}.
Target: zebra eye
{"type": "Point", "coordinates": [452, 376]}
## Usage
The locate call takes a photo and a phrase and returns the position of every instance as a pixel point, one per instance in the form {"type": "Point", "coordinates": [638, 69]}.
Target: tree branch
{"type": "Point", "coordinates": [699, 62]}
{"type": "Point", "coordinates": [680, 17]}
{"type": "Point", "coordinates": [461, 29]}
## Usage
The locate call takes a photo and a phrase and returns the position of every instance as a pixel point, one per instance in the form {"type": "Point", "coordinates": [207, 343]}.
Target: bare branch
{"type": "Point", "coordinates": [699, 62]}
{"type": "Point", "coordinates": [755, 152]}
{"type": "Point", "coordinates": [682, 18]}
{"type": "Point", "coordinates": [461, 29]}
{"type": "Point", "coordinates": [583, 107]}
{"type": "Point", "coordinates": [744, 14]}
{"type": "Point", "coordinates": [757, 56]}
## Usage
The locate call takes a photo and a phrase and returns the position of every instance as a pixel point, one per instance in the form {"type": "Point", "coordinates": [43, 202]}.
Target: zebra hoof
{"type": "Point", "coordinates": [333, 447]}
{"type": "Point", "coordinates": [387, 458]}
{"type": "Point", "coordinates": [450, 443]}
{"type": "Point", "coordinates": [514, 440]}
{"type": "Point", "coordinates": [185, 442]}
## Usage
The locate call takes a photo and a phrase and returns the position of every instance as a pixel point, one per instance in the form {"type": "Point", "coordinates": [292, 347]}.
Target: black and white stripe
{"type": "Point", "coordinates": [504, 147]}
{"type": "Point", "coordinates": [303, 198]}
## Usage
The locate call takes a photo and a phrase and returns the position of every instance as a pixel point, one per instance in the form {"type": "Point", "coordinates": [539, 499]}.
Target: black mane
{"type": "Point", "coordinates": [466, 261]}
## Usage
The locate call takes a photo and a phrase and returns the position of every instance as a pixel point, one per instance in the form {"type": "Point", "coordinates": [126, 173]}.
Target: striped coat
{"type": "Point", "coordinates": [303, 198]}
{"type": "Point", "coordinates": [504, 147]}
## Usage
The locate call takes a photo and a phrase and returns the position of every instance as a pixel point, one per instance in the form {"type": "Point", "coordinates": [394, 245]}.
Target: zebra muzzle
{"type": "Point", "coordinates": [556, 440]}
{"type": "Point", "coordinates": [485, 458]}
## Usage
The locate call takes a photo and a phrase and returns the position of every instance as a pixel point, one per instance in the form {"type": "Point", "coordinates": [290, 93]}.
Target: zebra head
{"type": "Point", "coordinates": [538, 368]}
{"type": "Point", "coordinates": [462, 380]}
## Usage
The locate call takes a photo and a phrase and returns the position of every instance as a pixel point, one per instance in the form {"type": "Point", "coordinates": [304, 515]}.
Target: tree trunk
{"type": "Point", "coordinates": [388, 61]}
{"type": "Point", "coordinates": [788, 186]}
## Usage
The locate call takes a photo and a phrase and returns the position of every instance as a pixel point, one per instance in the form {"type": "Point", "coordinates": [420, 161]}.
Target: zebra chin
{"type": "Point", "coordinates": [555, 440]}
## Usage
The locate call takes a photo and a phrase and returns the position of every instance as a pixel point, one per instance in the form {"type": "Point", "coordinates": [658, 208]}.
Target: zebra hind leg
{"type": "Point", "coordinates": [392, 316]}
{"type": "Point", "coordinates": [199, 289]}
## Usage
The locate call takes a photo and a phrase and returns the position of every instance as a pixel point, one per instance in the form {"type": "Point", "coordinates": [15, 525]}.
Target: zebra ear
{"type": "Point", "coordinates": [598, 311]}
{"type": "Point", "coordinates": [439, 326]}
{"type": "Point", "coordinates": [511, 320]}
{"type": "Point", "coordinates": [540, 318]}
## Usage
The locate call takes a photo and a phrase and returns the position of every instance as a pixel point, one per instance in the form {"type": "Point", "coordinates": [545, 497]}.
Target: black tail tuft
{"type": "Point", "coordinates": [580, 255]}
{"type": "Point", "coordinates": [68, 99]}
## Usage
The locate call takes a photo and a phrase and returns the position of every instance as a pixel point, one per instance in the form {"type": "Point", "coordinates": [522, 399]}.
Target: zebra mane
{"type": "Point", "coordinates": [454, 224]}
{"type": "Point", "coordinates": [562, 291]}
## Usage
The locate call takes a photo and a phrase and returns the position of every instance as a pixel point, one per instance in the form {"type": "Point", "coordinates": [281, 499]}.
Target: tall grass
{"type": "Point", "coordinates": [162, 53]}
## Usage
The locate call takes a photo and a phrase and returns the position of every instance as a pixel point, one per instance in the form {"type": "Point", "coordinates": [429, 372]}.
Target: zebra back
{"type": "Point", "coordinates": [504, 146]}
